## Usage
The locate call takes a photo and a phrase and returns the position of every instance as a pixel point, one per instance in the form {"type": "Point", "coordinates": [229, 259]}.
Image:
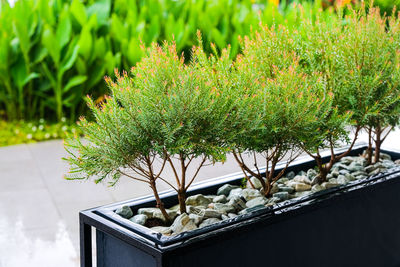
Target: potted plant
{"type": "Point", "coordinates": [174, 111]}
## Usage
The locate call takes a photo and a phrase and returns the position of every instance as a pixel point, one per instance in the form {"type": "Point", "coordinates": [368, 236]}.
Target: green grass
{"type": "Point", "coordinates": [22, 132]}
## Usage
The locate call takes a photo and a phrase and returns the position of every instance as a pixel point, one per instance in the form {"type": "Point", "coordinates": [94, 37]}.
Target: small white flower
{"type": "Point", "coordinates": [47, 136]}
{"type": "Point", "coordinates": [34, 128]}
{"type": "Point", "coordinates": [41, 120]}
{"type": "Point", "coordinates": [55, 135]}
{"type": "Point", "coordinates": [29, 136]}
{"type": "Point", "coordinates": [41, 127]}
{"type": "Point", "coordinates": [63, 119]}
{"type": "Point", "coordinates": [16, 131]}
{"type": "Point", "coordinates": [64, 128]}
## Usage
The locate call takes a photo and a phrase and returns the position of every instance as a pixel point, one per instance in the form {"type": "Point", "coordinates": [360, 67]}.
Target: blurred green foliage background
{"type": "Point", "coordinates": [54, 52]}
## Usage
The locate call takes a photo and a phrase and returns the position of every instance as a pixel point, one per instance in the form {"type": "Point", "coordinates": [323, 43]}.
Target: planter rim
{"type": "Point", "coordinates": [149, 238]}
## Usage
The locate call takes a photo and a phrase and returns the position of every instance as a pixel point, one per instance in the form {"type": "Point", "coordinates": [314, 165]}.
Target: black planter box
{"type": "Point", "coordinates": [357, 224]}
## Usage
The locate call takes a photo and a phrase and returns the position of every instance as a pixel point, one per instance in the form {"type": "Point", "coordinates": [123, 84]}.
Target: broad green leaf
{"type": "Point", "coordinates": [112, 61]}
{"type": "Point", "coordinates": [63, 32]}
{"type": "Point", "coordinates": [74, 81]}
{"type": "Point", "coordinates": [4, 53]}
{"type": "Point", "coordinates": [78, 11]}
{"type": "Point", "coordinates": [100, 48]}
{"type": "Point", "coordinates": [80, 65]}
{"type": "Point", "coordinates": [30, 77]}
{"type": "Point", "coordinates": [153, 30]}
{"type": "Point", "coordinates": [39, 53]}
{"type": "Point", "coordinates": [46, 11]}
{"type": "Point", "coordinates": [85, 42]}
{"type": "Point", "coordinates": [49, 40]}
{"type": "Point", "coordinates": [69, 60]}
{"type": "Point", "coordinates": [134, 52]}
{"type": "Point", "coordinates": [101, 8]}
{"type": "Point", "coordinates": [50, 76]}
{"type": "Point", "coordinates": [118, 31]}
{"type": "Point", "coordinates": [218, 38]}
{"type": "Point", "coordinates": [19, 75]}
{"type": "Point", "coordinates": [32, 24]}
{"type": "Point", "coordinates": [243, 12]}
{"type": "Point", "coordinates": [97, 75]}
{"type": "Point", "coordinates": [132, 15]}
{"type": "Point", "coordinates": [139, 30]}
{"type": "Point", "coordinates": [183, 39]}
{"type": "Point", "coordinates": [44, 86]}
{"type": "Point", "coordinates": [21, 31]}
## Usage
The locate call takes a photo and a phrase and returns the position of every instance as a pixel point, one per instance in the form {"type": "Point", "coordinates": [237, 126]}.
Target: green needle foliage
{"type": "Point", "coordinates": [281, 105]}
{"type": "Point", "coordinates": [316, 43]}
{"type": "Point", "coordinates": [369, 87]}
{"type": "Point", "coordinates": [358, 58]}
{"type": "Point", "coordinates": [166, 110]}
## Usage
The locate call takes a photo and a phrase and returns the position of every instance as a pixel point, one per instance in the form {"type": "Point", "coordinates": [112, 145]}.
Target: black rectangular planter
{"type": "Point", "coordinates": [357, 224]}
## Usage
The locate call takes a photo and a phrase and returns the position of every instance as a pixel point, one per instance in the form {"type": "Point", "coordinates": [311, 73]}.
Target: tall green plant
{"type": "Point", "coordinates": [52, 53]}
{"type": "Point", "coordinates": [280, 105]}
{"type": "Point", "coordinates": [357, 57]}
{"type": "Point", "coordinates": [369, 87]}
{"type": "Point", "coordinates": [20, 53]}
{"type": "Point", "coordinates": [166, 110]}
{"type": "Point", "coordinates": [316, 44]}
{"type": "Point", "coordinates": [78, 54]}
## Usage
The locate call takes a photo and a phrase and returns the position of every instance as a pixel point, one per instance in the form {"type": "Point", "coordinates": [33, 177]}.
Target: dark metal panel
{"type": "Point", "coordinates": [113, 252]}
{"type": "Point", "coordinates": [357, 229]}
{"type": "Point", "coordinates": [85, 240]}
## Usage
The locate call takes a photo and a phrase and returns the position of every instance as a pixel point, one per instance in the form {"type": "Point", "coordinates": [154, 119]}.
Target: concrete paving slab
{"type": "Point", "coordinates": [34, 207]}
{"type": "Point", "coordinates": [20, 175]}
{"type": "Point", "coordinates": [14, 154]}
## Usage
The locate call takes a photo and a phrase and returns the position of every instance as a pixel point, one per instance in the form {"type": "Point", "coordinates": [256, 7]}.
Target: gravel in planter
{"type": "Point", "coordinates": [232, 201]}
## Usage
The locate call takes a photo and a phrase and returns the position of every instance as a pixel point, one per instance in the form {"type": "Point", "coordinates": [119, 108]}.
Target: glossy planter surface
{"type": "Point", "coordinates": [357, 224]}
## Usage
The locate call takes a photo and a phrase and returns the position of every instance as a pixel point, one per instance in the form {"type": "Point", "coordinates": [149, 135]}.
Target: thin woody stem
{"type": "Point", "coordinates": [165, 181]}
{"type": "Point", "coordinates": [161, 170]}
{"type": "Point", "coordinates": [134, 169]}
{"type": "Point", "coordinates": [190, 160]}
{"type": "Point", "coordinates": [255, 163]}
{"type": "Point", "coordinates": [307, 152]}
{"type": "Point", "coordinates": [386, 135]}
{"type": "Point", "coordinates": [243, 165]}
{"type": "Point", "coordinates": [183, 170]}
{"type": "Point", "coordinates": [173, 169]}
{"type": "Point", "coordinates": [290, 160]}
{"type": "Point", "coordinates": [243, 170]}
{"type": "Point", "coordinates": [153, 186]}
{"type": "Point", "coordinates": [197, 172]}
{"type": "Point", "coordinates": [132, 177]}
{"type": "Point", "coordinates": [351, 146]}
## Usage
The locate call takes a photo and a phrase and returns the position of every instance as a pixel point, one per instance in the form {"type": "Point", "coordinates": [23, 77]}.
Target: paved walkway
{"type": "Point", "coordinates": [39, 209]}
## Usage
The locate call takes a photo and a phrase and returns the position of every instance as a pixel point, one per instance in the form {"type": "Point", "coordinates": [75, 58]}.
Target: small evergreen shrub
{"type": "Point", "coordinates": [166, 110]}
{"type": "Point", "coordinates": [281, 105]}
{"type": "Point", "coordinates": [358, 58]}
{"type": "Point", "coordinates": [369, 50]}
